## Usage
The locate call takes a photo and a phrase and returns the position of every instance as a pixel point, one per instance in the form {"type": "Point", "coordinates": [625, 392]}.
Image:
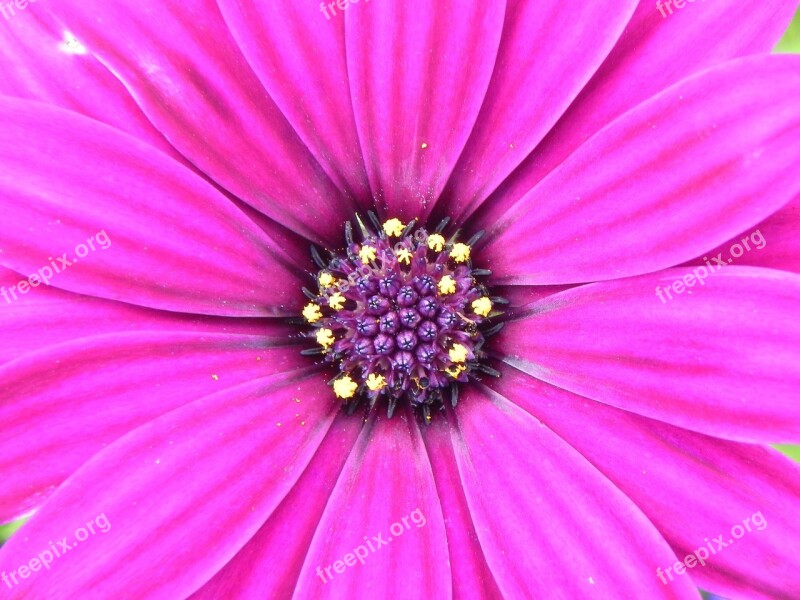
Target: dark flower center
{"type": "Point", "coordinates": [402, 315]}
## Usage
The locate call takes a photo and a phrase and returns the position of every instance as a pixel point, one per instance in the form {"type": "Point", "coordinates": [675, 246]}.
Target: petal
{"type": "Point", "coordinates": [675, 176]}
{"type": "Point", "coordinates": [275, 40]}
{"type": "Point", "coordinates": [722, 359]}
{"type": "Point", "coordinates": [283, 541]}
{"type": "Point", "coordinates": [418, 74]}
{"type": "Point", "coordinates": [50, 316]}
{"type": "Point", "coordinates": [219, 466]}
{"type": "Point", "coordinates": [471, 575]}
{"type": "Point", "coordinates": [169, 240]}
{"type": "Point", "coordinates": [385, 496]}
{"type": "Point", "coordinates": [773, 243]}
{"type": "Point", "coordinates": [38, 62]}
{"type": "Point", "coordinates": [546, 517]}
{"type": "Point", "coordinates": [537, 75]}
{"type": "Point", "coordinates": [653, 53]}
{"type": "Point", "coordinates": [87, 393]}
{"type": "Point", "coordinates": [191, 81]}
{"type": "Point", "coordinates": [692, 487]}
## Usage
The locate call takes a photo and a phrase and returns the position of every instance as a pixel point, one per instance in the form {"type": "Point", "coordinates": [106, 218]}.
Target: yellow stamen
{"type": "Point", "coordinates": [460, 253]}
{"type": "Point", "coordinates": [458, 353]}
{"type": "Point", "coordinates": [366, 254]}
{"type": "Point", "coordinates": [454, 372]}
{"type": "Point", "coordinates": [312, 313]}
{"type": "Point", "coordinates": [376, 382]}
{"type": "Point", "coordinates": [325, 338]}
{"type": "Point", "coordinates": [345, 387]}
{"type": "Point", "coordinates": [326, 280]}
{"type": "Point", "coordinates": [393, 227]}
{"type": "Point", "coordinates": [436, 242]}
{"type": "Point", "coordinates": [482, 306]}
{"type": "Point", "coordinates": [404, 256]}
{"type": "Point", "coordinates": [336, 301]}
{"type": "Point", "coordinates": [447, 285]}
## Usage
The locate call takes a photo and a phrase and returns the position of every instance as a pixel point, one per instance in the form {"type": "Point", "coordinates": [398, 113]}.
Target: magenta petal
{"type": "Point", "coordinates": [283, 541]}
{"type": "Point", "coordinates": [537, 74]}
{"type": "Point", "coordinates": [274, 37]}
{"type": "Point", "coordinates": [38, 63]}
{"type": "Point", "coordinates": [722, 358]}
{"type": "Point", "coordinates": [692, 487]}
{"type": "Point", "coordinates": [471, 575]}
{"type": "Point", "coordinates": [675, 176]}
{"type": "Point", "coordinates": [653, 53]}
{"type": "Point", "coordinates": [89, 392]}
{"type": "Point", "coordinates": [38, 320]}
{"type": "Point", "coordinates": [147, 482]}
{"type": "Point", "coordinates": [545, 517]}
{"type": "Point", "coordinates": [773, 243]}
{"type": "Point", "coordinates": [171, 241]}
{"type": "Point", "coordinates": [190, 79]}
{"type": "Point", "coordinates": [418, 74]}
{"type": "Point", "coordinates": [387, 480]}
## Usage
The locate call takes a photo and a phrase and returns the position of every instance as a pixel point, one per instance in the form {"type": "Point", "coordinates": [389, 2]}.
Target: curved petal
{"type": "Point", "coordinates": [471, 576]}
{"type": "Point", "coordinates": [38, 61]}
{"type": "Point", "coordinates": [147, 482]}
{"type": "Point", "coordinates": [418, 74]}
{"type": "Point", "coordinates": [282, 41]}
{"type": "Point", "coordinates": [773, 243]}
{"type": "Point", "coordinates": [537, 75]}
{"type": "Point", "coordinates": [64, 403]}
{"type": "Point", "coordinates": [722, 358]}
{"type": "Point", "coordinates": [385, 508]}
{"type": "Point", "coordinates": [170, 240]}
{"type": "Point", "coordinates": [194, 85]}
{"type": "Point", "coordinates": [40, 319]}
{"type": "Point", "coordinates": [677, 175]}
{"type": "Point", "coordinates": [546, 517]}
{"type": "Point", "coordinates": [283, 541]}
{"type": "Point", "coordinates": [692, 487]}
{"type": "Point", "coordinates": [655, 52]}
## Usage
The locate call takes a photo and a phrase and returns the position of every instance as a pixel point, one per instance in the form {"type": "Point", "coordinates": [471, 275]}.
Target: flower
{"type": "Point", "coordinates": [157, 385]}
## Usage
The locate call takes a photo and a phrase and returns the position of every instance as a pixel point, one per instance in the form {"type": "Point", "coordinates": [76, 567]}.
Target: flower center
{"type": "Point", "coordinates": [402, 315]}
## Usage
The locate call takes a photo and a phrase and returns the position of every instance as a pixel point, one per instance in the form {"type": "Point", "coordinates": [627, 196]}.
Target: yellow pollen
{"type": "Point", "coordinates": [394, 227]}
{"type": "Point", "coordinates": [326, 280]}
{"type": "Point", "coordinates": [312, 313]}
{"type": "Point", "coordinates": [482, 306]}
{"type": "Point", "coordinates": [424, 145]}
{"type": "Point", "coordinates": [325, 338]}
{"type": "Point", "coordinates": [447, 285]}
{"type": "Point", "coordinates": [436, 242]}
{"type": "Point", "coordinates": [366, 254]}
{"type": "Point", "coordinates": [404, 256]}
{"type": "Point", "coordinates": [460, 253]}
{"type": "Point", "coordinates": [454, 372]}
{"type": "Point", "coordinates": [376, 382]}
{"type": "Point", "coordinates": [336, 301]}
{"type": "Point", "coordinates": [458, 353]}
{"type": "Point", "coordinates": [345, 387]}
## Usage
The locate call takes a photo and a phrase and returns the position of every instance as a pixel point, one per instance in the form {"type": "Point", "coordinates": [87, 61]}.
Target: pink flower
{"type": "Point", "coordinates": [158, 414]}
